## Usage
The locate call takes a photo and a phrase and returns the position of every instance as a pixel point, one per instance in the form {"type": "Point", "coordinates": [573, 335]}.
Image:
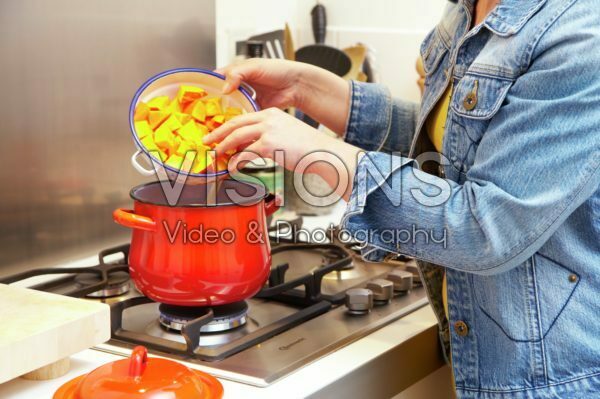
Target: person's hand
{"type": "Point", "coordinates": [261, 134]}
{"type": "Point", "coordinates": [281, 83]}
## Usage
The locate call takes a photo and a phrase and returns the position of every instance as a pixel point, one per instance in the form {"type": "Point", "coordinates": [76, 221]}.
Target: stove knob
{"type": "Point", "coordinates": [359, 301]}
{"type": "Point", "coordinates": [411, 266]}
{"type": "Point", "coordinates": [383, 290]}
{"type": "Point", "coordinates": [401, 279]}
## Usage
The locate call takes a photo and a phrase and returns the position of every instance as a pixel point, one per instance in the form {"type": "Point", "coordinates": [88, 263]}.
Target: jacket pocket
{"type": "Point", "coordinates": [479, 97]}
{"type": "Point", "coordinates": [555, 286]}
{"type": "Point", "coordinates": [433, 50]}
{"type": "Point", "coordinates": [476, 99]}
{"type": "Point", "coordinates": [525, 302]}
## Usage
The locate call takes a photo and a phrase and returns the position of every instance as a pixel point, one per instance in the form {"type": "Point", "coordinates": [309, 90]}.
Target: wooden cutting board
{"type": "Point", "coordinates": [38, 328]}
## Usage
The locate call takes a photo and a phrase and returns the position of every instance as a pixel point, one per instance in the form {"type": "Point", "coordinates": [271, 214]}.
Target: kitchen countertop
{"type": "Point", "coordinates": [306, 381]}
{"type": "Point", "coordinates": [414, 335]}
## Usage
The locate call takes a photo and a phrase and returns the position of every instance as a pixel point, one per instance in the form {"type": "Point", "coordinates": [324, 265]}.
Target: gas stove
{"type": "Point", "coordinates": [319, 298]}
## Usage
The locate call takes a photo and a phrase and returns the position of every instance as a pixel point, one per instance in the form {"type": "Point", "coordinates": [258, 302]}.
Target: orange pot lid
{"type": "Point", "coordinates": [144, 378]}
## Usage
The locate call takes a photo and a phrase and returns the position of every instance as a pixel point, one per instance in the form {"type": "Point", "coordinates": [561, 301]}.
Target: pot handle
{"type": "Point", "coordinates": [138, 166]}
{"type": "Point", "coordinates": [138, 360]}
{"type": "Point", "coordinates": [271, 205]}
{"type": "Point", "coordinates": [127, 218]}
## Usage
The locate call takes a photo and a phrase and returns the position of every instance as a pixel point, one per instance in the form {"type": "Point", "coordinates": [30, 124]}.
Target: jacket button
{"type": "Point", "coordinates": [461, 328]}
{"type": "Point", "coordinates": [470, 101]}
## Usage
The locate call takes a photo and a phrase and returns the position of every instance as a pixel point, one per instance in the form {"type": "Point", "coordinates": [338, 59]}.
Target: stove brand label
{"type": "Point", "coordinates": [288, 346]}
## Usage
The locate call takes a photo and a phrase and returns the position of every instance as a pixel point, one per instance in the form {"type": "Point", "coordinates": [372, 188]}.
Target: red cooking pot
{"type": "Point", "coordinates": [199, 252]}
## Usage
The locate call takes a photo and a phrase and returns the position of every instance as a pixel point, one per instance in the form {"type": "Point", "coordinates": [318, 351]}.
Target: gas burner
{"type": "Point", "coordinates": [117, 284]}
{"type": "Point", "coordinates": [225, 317]}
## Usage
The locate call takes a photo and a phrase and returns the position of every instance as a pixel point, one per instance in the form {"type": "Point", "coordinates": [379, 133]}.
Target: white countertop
{"type": "Point", "coordinates": [303, 382]}
{"type": "Point", "coordinates": [300, 384]}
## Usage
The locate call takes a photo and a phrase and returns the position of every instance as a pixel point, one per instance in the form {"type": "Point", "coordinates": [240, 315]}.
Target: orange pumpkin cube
{"type": "Point", "coordinates": [213, 106]}
{"type": "Point", "coordinates": [187, 94]}
{"type": "Point", "coordinates": [156, 118]}
{"type": "Point", "coordinates": [142, 129]}
{"type": "Point", "coordinates": [159, 103]}
{"type": "Point", "coordinates": [141, 112]}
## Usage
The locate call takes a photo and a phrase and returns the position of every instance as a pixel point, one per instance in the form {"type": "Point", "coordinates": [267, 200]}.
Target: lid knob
{"type": "Point", "coordinates": [138, 360]}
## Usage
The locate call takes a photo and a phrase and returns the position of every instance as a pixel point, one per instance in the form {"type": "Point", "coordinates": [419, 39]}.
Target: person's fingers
{"type": "Point", "coordinates": [243, 135]}
{"type": "Point", "coordinates": [240, 159]}
{"type": "Point", "coordinates": [235, 123]}
{"type": "Point", "coordinates": [235, 74]}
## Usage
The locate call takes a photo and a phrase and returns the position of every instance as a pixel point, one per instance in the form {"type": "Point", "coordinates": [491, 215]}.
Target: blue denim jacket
{"type": "Point", "coordinates": [517, 194]}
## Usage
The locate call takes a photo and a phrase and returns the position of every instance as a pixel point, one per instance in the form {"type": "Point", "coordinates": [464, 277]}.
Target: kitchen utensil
{"type": "Point", "coordinates": [288, 42]}
{"type": "Point", "coordinates": [273, 43]}
{"type": "Point", "coordinates": [142, 377]}
{"type": "Point", "coordinates": [172, 258]}
{"type": "Point", "coordinates": [319, 54]}
{"type": "Point", "coordinates": [167, 83]}
{"type": "Point", "coordinates": [39, 329]}
{"type": "Point", "coordinates": [357, 56]}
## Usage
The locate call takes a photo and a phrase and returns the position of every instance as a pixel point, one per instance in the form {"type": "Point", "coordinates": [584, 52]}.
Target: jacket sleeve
{"type": "Point", "coordinates": [537, 162]}
{"type": "Point", "coordinates": [378, 122]}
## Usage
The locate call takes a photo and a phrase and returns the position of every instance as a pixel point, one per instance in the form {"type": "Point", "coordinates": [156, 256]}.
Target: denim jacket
{"type": "Point", "coordinates": [511, 212]}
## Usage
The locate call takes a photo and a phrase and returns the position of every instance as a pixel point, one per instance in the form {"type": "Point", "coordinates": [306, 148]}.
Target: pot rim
{"type": "Point", "coordinates": [253, 201]}
{"type": "Point", "coordinates": [151, 80]}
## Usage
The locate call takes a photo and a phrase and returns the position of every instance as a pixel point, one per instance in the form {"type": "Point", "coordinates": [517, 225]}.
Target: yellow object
{"type": "Point", "coordinates": [233, 111]}
{"type": "Point", "coordinates": [436, 122]}
{"type": "Point", "coordinates": [164, 139]}
{"type": "Point", "coordinates": [155, 118]}
{"type": "Point", "coordinates": [183, 118]}
{"type": "Point", "coordinates": [159, 103]}
{"type": "Point", "coordinates": [190, 132]}
{"type": "Point", "coordinates": [219, 118]}
{"type": "Point", "coordinates": [150, 145]}
{"type": "Point", "coordinates": [202, 161]}
{"type": "Point", "coordinates": [172, 122]}
{"type": "Point", "coordinates": [188, 94]}
{"type": "Point", "coordinates": [175, 161]}
{"type": "Point", "coordinates": [142, 129]}
{"type": "Point", "coordinates": [436, 125]}
{"type": "Point", "coordinates": [213, 106]}
{"type": "Point", "coordinates": [199, 111]}
{"type": "Point", "coordinates": [174, 106]}
{"type": "Point", "coordinates": [141, 112]}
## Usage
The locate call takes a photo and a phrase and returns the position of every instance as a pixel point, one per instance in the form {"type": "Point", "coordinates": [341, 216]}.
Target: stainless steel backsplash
{"type": "Point", "coordinates": [68, 70]}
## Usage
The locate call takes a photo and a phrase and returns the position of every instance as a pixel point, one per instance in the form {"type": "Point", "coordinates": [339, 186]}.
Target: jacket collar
{"type": "Point", "coordinates": [510, 15]}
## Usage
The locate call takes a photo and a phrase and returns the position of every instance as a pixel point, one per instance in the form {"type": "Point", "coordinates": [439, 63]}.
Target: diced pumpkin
{"type": "Point", "coordinates": [203, 129]}
{"type": "Point", "coordinates": [174, 106]}
{"type": "Point", "coordinates": [185, 147]}
{"type": "Point", "coordinates": [202, 161]}
{"type": "Point", "coordinates": [211, 124]}
{"type": "Point", "coordinates": [142, 129]}
{"type": "Point", "coordinates": [187, 94]}
{"type": "Point", "coordinates": [213, 106]}
{"type": "Point", "coordinates": [190, 132]}
{"type": "Point", "coordinates": [172, 122]}
{"type": "Point", "coordinates": [165, 140]}
{"type": "Point", "coordinates": [150, 145]}
{"type": "Point", "coordinates": [155, 118]}
{"type": "Point", "coordinates": [199, 111]}
{"type": "Point", "coordinates": [183, 118]}
{"type": "Point", "coordinates": [219, 118]}
{"type": "Point", "coordinates": [159, 103]}
{"type": "Point", "coordinates": [175, 161]}
{"type": "Point", "coordinates": [141, 112]}
{"type": "Point", "coordinates": [232, 111]}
